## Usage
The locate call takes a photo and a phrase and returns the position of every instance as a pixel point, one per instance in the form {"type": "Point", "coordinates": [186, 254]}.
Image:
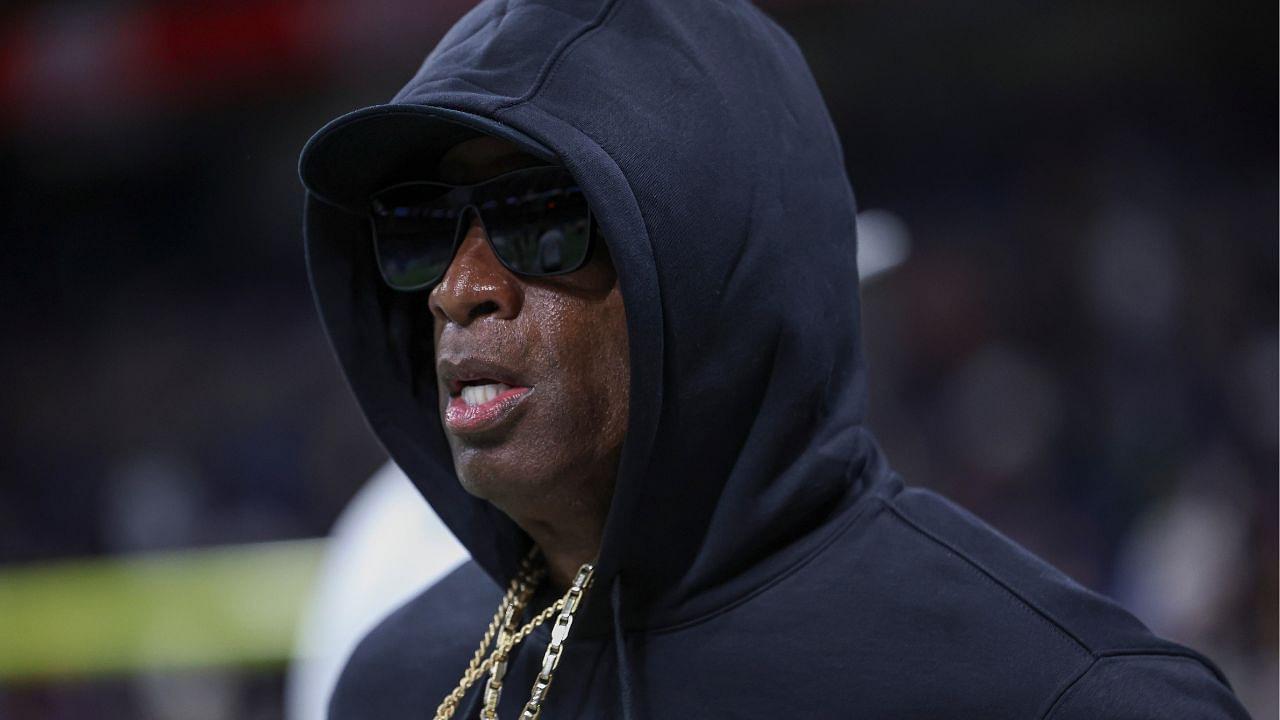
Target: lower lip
{"type": "Point", "coordinates": [460, 417]}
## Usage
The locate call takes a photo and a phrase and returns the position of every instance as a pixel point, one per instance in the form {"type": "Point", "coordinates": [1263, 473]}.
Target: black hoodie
{"type": "Point", "coordinates": [760, 558]}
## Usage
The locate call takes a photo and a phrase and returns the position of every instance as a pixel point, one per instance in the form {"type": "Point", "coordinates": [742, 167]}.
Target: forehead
{"type": "Point", "coordinates": [478, 159]}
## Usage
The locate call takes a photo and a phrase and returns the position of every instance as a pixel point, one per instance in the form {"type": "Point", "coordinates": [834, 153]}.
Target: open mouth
{"type": "Point", "coordinates": [481, 404]}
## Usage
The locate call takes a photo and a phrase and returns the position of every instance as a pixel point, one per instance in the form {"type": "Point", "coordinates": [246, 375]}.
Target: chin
{"type": "Point", "coordinates": [502, 475]}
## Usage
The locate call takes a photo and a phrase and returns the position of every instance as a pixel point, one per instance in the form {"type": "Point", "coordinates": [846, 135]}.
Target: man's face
{"type": "Point", "coordinates": [533, 373]}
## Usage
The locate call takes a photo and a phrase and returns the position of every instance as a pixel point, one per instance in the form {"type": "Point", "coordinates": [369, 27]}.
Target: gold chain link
{"type": "Point", "coordinates": [527, 577]}
{"type": "Point", "coordinates": [559, 633]}
{"type": "Point", "coordinates": [501, 626]}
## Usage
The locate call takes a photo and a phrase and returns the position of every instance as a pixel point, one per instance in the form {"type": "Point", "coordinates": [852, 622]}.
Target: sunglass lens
{"type": "Point", "coordinates": [538, 222]}
{"type": "Point", "coordinates": [413, 229]}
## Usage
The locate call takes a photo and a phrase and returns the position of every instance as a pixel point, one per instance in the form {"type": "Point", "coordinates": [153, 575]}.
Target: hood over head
{"type": "Point", "coordinates": [711, 164]}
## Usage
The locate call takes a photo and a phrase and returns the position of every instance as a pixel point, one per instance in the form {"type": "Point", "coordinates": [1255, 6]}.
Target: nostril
{"type": "Point", "coordinates": [482, 309]}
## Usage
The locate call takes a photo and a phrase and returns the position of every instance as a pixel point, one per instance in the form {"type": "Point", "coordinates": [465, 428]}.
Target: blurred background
{"type": "Point", "coordinates": [1080, 346]}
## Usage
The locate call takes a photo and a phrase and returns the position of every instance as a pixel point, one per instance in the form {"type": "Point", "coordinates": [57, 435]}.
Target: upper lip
{"type": "Point", "coordinates": [457, 370]}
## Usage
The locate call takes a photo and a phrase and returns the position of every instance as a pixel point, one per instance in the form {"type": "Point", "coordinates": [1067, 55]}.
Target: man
{"type": "Point", "coordinates": [659, 422]}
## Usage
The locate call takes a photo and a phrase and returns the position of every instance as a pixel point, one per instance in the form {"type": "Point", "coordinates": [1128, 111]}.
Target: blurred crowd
{"type": "Point", "coordinates": [1081, 347]}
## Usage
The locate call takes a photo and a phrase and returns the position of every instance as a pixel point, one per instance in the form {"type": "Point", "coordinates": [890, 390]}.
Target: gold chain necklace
{"type": "Point", "coordinates": [503, 628]}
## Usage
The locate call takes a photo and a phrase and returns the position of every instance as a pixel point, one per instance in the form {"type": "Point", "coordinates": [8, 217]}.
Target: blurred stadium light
{"type": "Point", "coordinates": [193, 608]}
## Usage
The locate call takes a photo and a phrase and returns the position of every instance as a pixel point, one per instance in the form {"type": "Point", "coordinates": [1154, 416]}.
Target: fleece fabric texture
{"type": "Point", "coordinates": [761, 559]}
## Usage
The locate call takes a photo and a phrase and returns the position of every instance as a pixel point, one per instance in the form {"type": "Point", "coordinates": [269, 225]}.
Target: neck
{"type": "Point", "coordinates": [567, 527]}
{"type": "Point", "coordinates": [567, 530]}
{"type": "Point", "coordinates": [564, 552]}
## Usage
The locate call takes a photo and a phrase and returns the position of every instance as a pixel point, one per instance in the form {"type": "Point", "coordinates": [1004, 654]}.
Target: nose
{"type": "Point", "coordinates": [476, 284]}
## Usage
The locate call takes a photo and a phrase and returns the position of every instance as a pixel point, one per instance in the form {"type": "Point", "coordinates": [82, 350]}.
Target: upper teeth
{"type": "Point", "coordinates": [481, 394]}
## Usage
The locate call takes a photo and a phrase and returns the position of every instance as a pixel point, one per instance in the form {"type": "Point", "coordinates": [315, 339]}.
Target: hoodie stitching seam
{"type": "Point", "coordinates": [1169, 654]}
{"type": "Point", "coordinates": [1076, 683]}
{"type": "Point", "coordinates": [1023, 602]}
{"type": "Point", "coordinates": [552, 64]}
{"type": "Point", "coordinates": [1067, 687]}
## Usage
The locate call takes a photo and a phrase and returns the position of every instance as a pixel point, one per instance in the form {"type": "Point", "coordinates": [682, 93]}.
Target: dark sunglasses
{"type": "Point", "coordinates": [536, 219]}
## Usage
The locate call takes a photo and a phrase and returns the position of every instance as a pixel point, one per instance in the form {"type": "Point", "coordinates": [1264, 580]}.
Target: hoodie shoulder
{"type": "Point", "coordinates": [1094, 623]}
{"type": "Point", "coordinates": [1130, 672]}
{"type": "Point", "coordinates": [414, 657]}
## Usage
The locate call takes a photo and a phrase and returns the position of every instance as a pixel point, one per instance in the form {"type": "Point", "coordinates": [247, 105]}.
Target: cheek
{"type": "Point", "coordinates": [597, 363]}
